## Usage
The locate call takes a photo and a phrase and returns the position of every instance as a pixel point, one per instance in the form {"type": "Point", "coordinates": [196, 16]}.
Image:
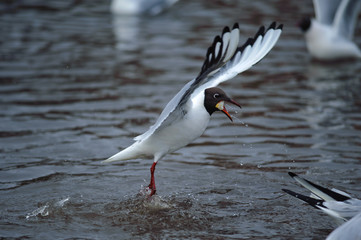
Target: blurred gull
{"type": "Point", "coordinates": [329, 36]}
{"type": "Point", "coordinates": [139, 7]}
{"type": "Point", "coordinates": [348, 231]}
{"type": "Point", "coordinates": [335, 203]}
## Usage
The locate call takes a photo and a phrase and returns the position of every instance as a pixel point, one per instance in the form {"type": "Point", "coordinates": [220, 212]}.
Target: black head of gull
{"type": "Point", "coordinates": [305, 24]}
{"type": "Point", "coordinates": [214, 99]}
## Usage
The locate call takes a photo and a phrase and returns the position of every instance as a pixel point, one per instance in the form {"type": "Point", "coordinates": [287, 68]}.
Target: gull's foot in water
{"type": "Point", "coordinates": [151, 186]}
{"type": "Point", "coordinates": [151, 189]}
{"type": "Point", "coordinates": [147, 192]}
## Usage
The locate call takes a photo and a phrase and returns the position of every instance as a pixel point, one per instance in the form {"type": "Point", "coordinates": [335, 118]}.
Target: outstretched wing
{"type": "Point", "coordinates": [325, 10]}
{"type": "Point", "coordinates": [224, 60]}
{"type": "Point", "coordinates": [331, 201]}
{"type": "Point", "coordinates": [319, 191]}
{"type": "Point", "coordinates": [346, 16]}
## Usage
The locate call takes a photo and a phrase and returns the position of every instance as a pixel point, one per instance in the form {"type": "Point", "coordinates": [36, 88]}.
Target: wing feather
{"type": "Point", "coordinates": [259, 46]}
{"type": "Point", "coordinates": [333, 202]}
{"type": "Point", "coordinates": [345, 18]}
{"type": "Point", "coordinates": [165, 113]}
{"type": "Point", "coordinates": [233, 43]}
{"type": "Point", "coordinates": [224, 60]}
{"type": "Point", "coordinates": [325, 10]}
{"type": "Point", "coordinates": [225, 40]}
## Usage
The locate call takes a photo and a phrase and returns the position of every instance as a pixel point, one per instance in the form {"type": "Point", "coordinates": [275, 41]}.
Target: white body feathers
{"type": "Point", "coordinates": [171, 138]}
{"type": "Point", "coordinates": [324, 43]}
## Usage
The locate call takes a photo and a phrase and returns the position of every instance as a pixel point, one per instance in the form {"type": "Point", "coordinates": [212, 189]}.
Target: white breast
{"type": "Point", "coordinates": [180, 133]}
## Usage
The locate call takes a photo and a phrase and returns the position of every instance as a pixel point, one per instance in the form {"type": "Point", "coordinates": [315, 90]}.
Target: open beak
{"type": "Point", "coordinates": [221, 107]}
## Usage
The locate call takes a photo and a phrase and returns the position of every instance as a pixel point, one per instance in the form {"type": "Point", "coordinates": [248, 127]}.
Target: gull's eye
{"type": "Point", "coordinates": [216, 95]}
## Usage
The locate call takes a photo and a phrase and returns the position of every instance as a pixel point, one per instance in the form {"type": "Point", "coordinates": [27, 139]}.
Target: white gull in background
{"type": "Point", "coordinates": [139, 7]}
{"type": "Point", "coordinates": [335, 203]}
{"type": "Point", "coordinates": [186, 116]}
{"type": "Point", "coordinates": [329, 36]}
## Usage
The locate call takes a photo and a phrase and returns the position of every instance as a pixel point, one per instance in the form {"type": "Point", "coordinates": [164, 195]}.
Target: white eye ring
{"type": "Point", "coordinates": [216, 95]}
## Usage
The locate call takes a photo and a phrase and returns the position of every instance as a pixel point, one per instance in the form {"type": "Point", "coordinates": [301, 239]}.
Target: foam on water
{"type": "Point", "coordinates": [47, 209]}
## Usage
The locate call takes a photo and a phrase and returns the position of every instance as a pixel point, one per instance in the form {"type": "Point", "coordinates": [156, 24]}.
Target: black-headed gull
{"type": "Point", "coordinates": [329, 36]}
{"type": "Point", "coordinates": [186, 116]}
{"type": "Point", "coordinates": [335, 203]}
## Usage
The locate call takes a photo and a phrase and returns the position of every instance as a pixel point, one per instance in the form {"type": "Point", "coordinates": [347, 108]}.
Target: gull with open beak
{"type": "Point", "coordinates": [186, 116]}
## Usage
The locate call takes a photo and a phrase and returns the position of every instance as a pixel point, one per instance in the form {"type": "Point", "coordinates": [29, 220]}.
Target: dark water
{"type": "Point", "coordinates": [77, 84]}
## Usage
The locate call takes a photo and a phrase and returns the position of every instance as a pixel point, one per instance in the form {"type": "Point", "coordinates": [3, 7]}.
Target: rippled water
{"type": "Point", "coordinates": [77, 84]}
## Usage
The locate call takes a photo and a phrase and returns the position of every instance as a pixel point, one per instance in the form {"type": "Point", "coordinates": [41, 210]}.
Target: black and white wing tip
{"type": "Point", "coordinates": [221, 50]}
{"type": "Point", "coordinates": [225, 47]}
{"type": "Point", "coordinates": [316, 203]}
{"type": "Point", "coordinates": [261, 32]}
{"type": "Point", "coordinates": [322, 192]}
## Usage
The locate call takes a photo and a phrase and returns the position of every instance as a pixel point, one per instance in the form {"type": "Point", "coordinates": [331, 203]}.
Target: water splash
{"type": "Point", "coordinates": [236, 115]}
{"type": "Point", "coordinates": [47, 209]}
{"type": "Point", "coordinates": [154, 202]}
{"type": "Point", "coordinates": [61, 203]}
{"type": "Point", "coordinates": [41, 211]}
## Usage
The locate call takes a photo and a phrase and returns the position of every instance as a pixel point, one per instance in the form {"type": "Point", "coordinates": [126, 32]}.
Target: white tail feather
{"type": "Point", "coordinates": [126, 154]}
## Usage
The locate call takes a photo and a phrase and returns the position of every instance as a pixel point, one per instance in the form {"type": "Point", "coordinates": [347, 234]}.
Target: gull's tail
{"type": "Point", "coordinates": [130, 152]}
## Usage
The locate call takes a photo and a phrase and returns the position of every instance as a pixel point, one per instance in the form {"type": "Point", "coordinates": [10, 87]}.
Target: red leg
{"type": "Point", "coordinates": [152, 181]}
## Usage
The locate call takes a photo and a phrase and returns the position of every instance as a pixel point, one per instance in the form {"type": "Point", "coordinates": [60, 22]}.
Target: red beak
{"type": "Point", "coordinates": [221, 107]}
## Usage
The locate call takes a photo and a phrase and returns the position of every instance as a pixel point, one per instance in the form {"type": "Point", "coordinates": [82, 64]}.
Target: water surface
{"type": "Point", "coordinates": [77, 84]}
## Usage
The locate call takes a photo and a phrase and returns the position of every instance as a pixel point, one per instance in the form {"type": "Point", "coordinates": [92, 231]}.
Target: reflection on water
{"type": "Point", "coordinates": [127, 31]}
{"type": "Point", "coordinates": [77, 84]}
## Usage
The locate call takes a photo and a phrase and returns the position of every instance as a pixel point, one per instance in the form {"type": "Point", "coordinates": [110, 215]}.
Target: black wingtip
{"type": "Point", "coordinates": [288, 191]}
{"type": "Point", "coordinates": [316, 203]}
{"type": "Point", "coordinates": [333, 194]}
{"type": "Point", "coordinates": [216, 39]}
{"type": "Point", "coordinates": [273, 25]}
{"type": "Point", "coordinates": [292, 174]}
{"type": "Point", "coordinates": [261, 31]}
{"type": "Point", "coordinates": [212, 62]}
{"type": "Point", "coordinates": [225, 29]}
